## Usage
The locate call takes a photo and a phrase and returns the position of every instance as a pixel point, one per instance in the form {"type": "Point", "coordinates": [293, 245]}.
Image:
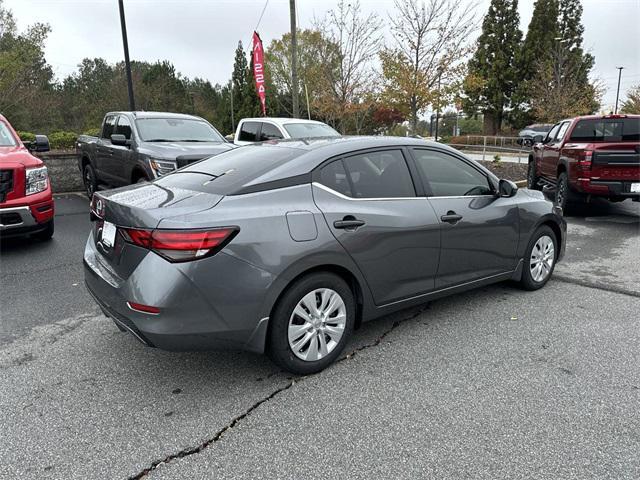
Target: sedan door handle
{"type": "Point", "coordinates": [348, 223]}
{"type": "Point", "coordinates": [451, 217]}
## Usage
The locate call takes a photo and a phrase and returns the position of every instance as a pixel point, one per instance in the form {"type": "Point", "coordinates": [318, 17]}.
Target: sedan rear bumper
{"type": "Point", "coordinates": [222, 317]}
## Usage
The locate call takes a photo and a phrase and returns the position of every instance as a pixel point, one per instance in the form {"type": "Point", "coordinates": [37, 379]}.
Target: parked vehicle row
{"type": "Point", "coordinates": [285, 247]}
{"type": "Point", "coordinates": [526, 136]}
{"type": "Point", "coordinates": [141, 146]}
{"type": "Point", "coordinates": [588, 156]}
{"type": "Point", "coordinates": [26, 202]}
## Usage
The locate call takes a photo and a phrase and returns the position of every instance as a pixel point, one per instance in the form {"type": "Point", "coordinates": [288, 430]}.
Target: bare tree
{"type": "Point", "coordinates": [431, 40]}
{"type": "Point", "coordinates": [348, 71]}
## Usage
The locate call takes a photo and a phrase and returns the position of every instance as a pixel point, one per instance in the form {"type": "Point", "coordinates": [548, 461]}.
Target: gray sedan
{"type": "Point", "coordinates": [287, 247]}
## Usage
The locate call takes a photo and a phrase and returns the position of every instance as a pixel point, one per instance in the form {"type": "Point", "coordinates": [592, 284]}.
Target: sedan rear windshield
{"type": "Point", "coordinates": [229, 172]}
{"type": "Point", "coordinates": [6, 137]}
{"type": "Point", "coordinates": [176, 130]}
{"type": "Point", "coordinates": [310, 130]}
{"type": "Point", "coordinates": [607, 130]}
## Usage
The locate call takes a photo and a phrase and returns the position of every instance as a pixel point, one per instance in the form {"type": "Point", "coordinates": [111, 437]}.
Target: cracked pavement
{"type": "Point", "coordinates": [494, 383]}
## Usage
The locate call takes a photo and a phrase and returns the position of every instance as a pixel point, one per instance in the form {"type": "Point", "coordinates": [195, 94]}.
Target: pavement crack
{"type": "Point", "coordinates": [218, 436]}
{"type": "Point", "coordinates": [207, 443]}
{"type": "Point", "coordinates": [379, 339]}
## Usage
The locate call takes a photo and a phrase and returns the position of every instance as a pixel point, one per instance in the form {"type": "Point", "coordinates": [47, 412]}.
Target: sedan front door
{"type": "Point", "coordinates": [370, 205]}
{"type": "Point", "coordinates": [479, 231]}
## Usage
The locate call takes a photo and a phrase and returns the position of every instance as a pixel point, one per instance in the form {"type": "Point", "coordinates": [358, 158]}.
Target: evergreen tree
{"type": "Point", "coordinates": [579, 63]}
{"type": "Point", "coordinates": [536, 50]}
{"type": "Point", "coordinates": [492, 75]}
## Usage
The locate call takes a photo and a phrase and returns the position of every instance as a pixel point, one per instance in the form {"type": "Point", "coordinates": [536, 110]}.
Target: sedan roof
{"type": "Point", "coordinates": [275, 164]}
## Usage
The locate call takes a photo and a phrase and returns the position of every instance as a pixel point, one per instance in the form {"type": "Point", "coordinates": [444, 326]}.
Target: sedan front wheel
{"type": "Point", "coordinates": [540, 259]}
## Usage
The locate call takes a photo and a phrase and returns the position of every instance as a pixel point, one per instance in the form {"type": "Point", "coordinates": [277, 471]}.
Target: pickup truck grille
{"type": "Point", "coordinates": [183, 160]}
{"type": "Point", "coordinates": [6, 183]}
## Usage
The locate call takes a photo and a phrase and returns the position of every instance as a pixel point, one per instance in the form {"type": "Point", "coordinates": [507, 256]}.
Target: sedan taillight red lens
{"type": "Point", "coordinates": [181, 245]}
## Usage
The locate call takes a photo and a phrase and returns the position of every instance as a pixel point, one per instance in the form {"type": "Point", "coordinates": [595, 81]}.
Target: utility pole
{"type": "Point", "coordinates": [127, 64]}
{"type": "Point", "coordinates": [618, 91]}
{"type": "Point", "coordinates": [294, 60]}
{"type": "Point", "coordinates": [233, 123]}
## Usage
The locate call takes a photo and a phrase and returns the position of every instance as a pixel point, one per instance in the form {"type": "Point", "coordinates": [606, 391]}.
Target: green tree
{"type": "Point", "coordinates": [315, 55]}
{"type": "Point", "coordinates": [536, 50]}
{"type": "Point", "coordinates": [632, 103]}
{"type": "Point", "coordinates": [553, 67]}
{"type": "Point", "coordinates": [27, 90]}
{"type": "Point", "coordinates": [492, 74]}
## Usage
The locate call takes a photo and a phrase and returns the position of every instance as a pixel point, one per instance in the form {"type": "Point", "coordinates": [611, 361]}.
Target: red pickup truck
{"type": "Point", "coordinates": [26, 203]}
{"type": "Point", "coordinates": [589, 156]}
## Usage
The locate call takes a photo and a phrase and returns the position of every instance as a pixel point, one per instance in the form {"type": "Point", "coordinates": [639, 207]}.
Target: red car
{"type": "Point", "coordinates": [589, 156]}
{"type": "Point", "coordinates": [26, 203]}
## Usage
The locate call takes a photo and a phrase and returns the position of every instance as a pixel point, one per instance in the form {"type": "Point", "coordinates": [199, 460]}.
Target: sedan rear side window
{"type": "Point", "coordinates": [334, 176]}
{"type": "Point", "coordinates": [449, 176]}
{"type": "Point", "coordinates": [249, 132]}
{"type": "Point", "coordinates": [381, 174]}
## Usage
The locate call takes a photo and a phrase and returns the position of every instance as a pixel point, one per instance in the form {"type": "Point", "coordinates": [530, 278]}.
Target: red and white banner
{"type": "Point", "coordinates": [258, 71]}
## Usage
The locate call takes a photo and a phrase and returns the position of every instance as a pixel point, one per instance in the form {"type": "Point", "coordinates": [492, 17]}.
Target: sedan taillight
{"type": "Point", "coordinates": [181, 245]}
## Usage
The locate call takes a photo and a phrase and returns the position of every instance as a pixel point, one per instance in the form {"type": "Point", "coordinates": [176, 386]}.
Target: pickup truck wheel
{"type": "Point", "coordinates": [539, 259]}
{"type": "Point", "coordinates": [562, 191]}
{"type": "Point", "coordinates": [90, 180]}
{"type": "Point", "coordinates": [47, 233]}
{"type": "Point", "coordinates": [532, 177]}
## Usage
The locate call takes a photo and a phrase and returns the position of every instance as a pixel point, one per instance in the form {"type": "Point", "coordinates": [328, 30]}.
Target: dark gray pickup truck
{"type": "Point", "coordinates": [139, 146]}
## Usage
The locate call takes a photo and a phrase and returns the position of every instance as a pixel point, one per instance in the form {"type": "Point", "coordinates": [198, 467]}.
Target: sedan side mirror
{"type": "Point", "coordinates": [506, 188]}
{"type": "Point", "coordinates": [120, 140]}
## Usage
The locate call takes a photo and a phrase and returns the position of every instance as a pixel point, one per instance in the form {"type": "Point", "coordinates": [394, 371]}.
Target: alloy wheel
{"type": "Point", "coordinates": [542, 258]}
{"type": "Point", "coordinates": [317, 324]}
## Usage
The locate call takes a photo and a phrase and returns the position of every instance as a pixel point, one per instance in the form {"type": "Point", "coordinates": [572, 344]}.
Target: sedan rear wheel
{"type": "Point", "coordinates": [311, 323]}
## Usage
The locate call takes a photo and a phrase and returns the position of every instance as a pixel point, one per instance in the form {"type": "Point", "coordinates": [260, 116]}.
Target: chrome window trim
{"type": "Point", "coordinates": [345, 197]}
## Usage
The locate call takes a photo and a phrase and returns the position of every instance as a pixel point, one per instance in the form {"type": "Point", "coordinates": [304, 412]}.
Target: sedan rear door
{"type": "Point", "coordinates": [479, 231]}
{"type": "Point", "coordinates": [370, 205]}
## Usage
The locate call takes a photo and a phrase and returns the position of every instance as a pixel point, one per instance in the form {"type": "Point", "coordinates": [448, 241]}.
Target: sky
{"type": "Point", "coordinates": [199, 36]}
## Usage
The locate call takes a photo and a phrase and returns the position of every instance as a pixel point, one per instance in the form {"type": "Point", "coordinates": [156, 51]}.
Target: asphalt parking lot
{"type": "Point", "coordinates": [495, 383]}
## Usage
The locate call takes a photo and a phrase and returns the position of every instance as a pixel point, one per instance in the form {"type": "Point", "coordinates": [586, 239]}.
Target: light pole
{"type": "Point", "coordinates": [127, 64]}
{"type": "Point", "coordinates": [294, 60]}
{"type": "Point", "coordinates": [615, 111]}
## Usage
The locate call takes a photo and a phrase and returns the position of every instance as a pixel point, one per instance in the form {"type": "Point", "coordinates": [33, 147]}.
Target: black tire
{"type": "Point", "coordinates": [532, 177]}
{"type": "Point", "coordinates": [90, 180]}
{"type": "Point", "coordinates": [278, 347]}
{"type": "Point", "coordinates": [527, 282]}
{"type": "Point", "coordinates": [47, 233]}
{"type": "Point", "coordinates": [562, 191]}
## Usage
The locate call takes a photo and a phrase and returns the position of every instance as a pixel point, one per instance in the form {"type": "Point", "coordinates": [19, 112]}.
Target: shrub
{"type": "Point", "coordinates": [94, 132]}
{"type": "Point", "coordinates": [496, 159]}
{"type": "Point", "coordinates": [26, 136]}
{"type": "Point", "coordinates": [62, 140]}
